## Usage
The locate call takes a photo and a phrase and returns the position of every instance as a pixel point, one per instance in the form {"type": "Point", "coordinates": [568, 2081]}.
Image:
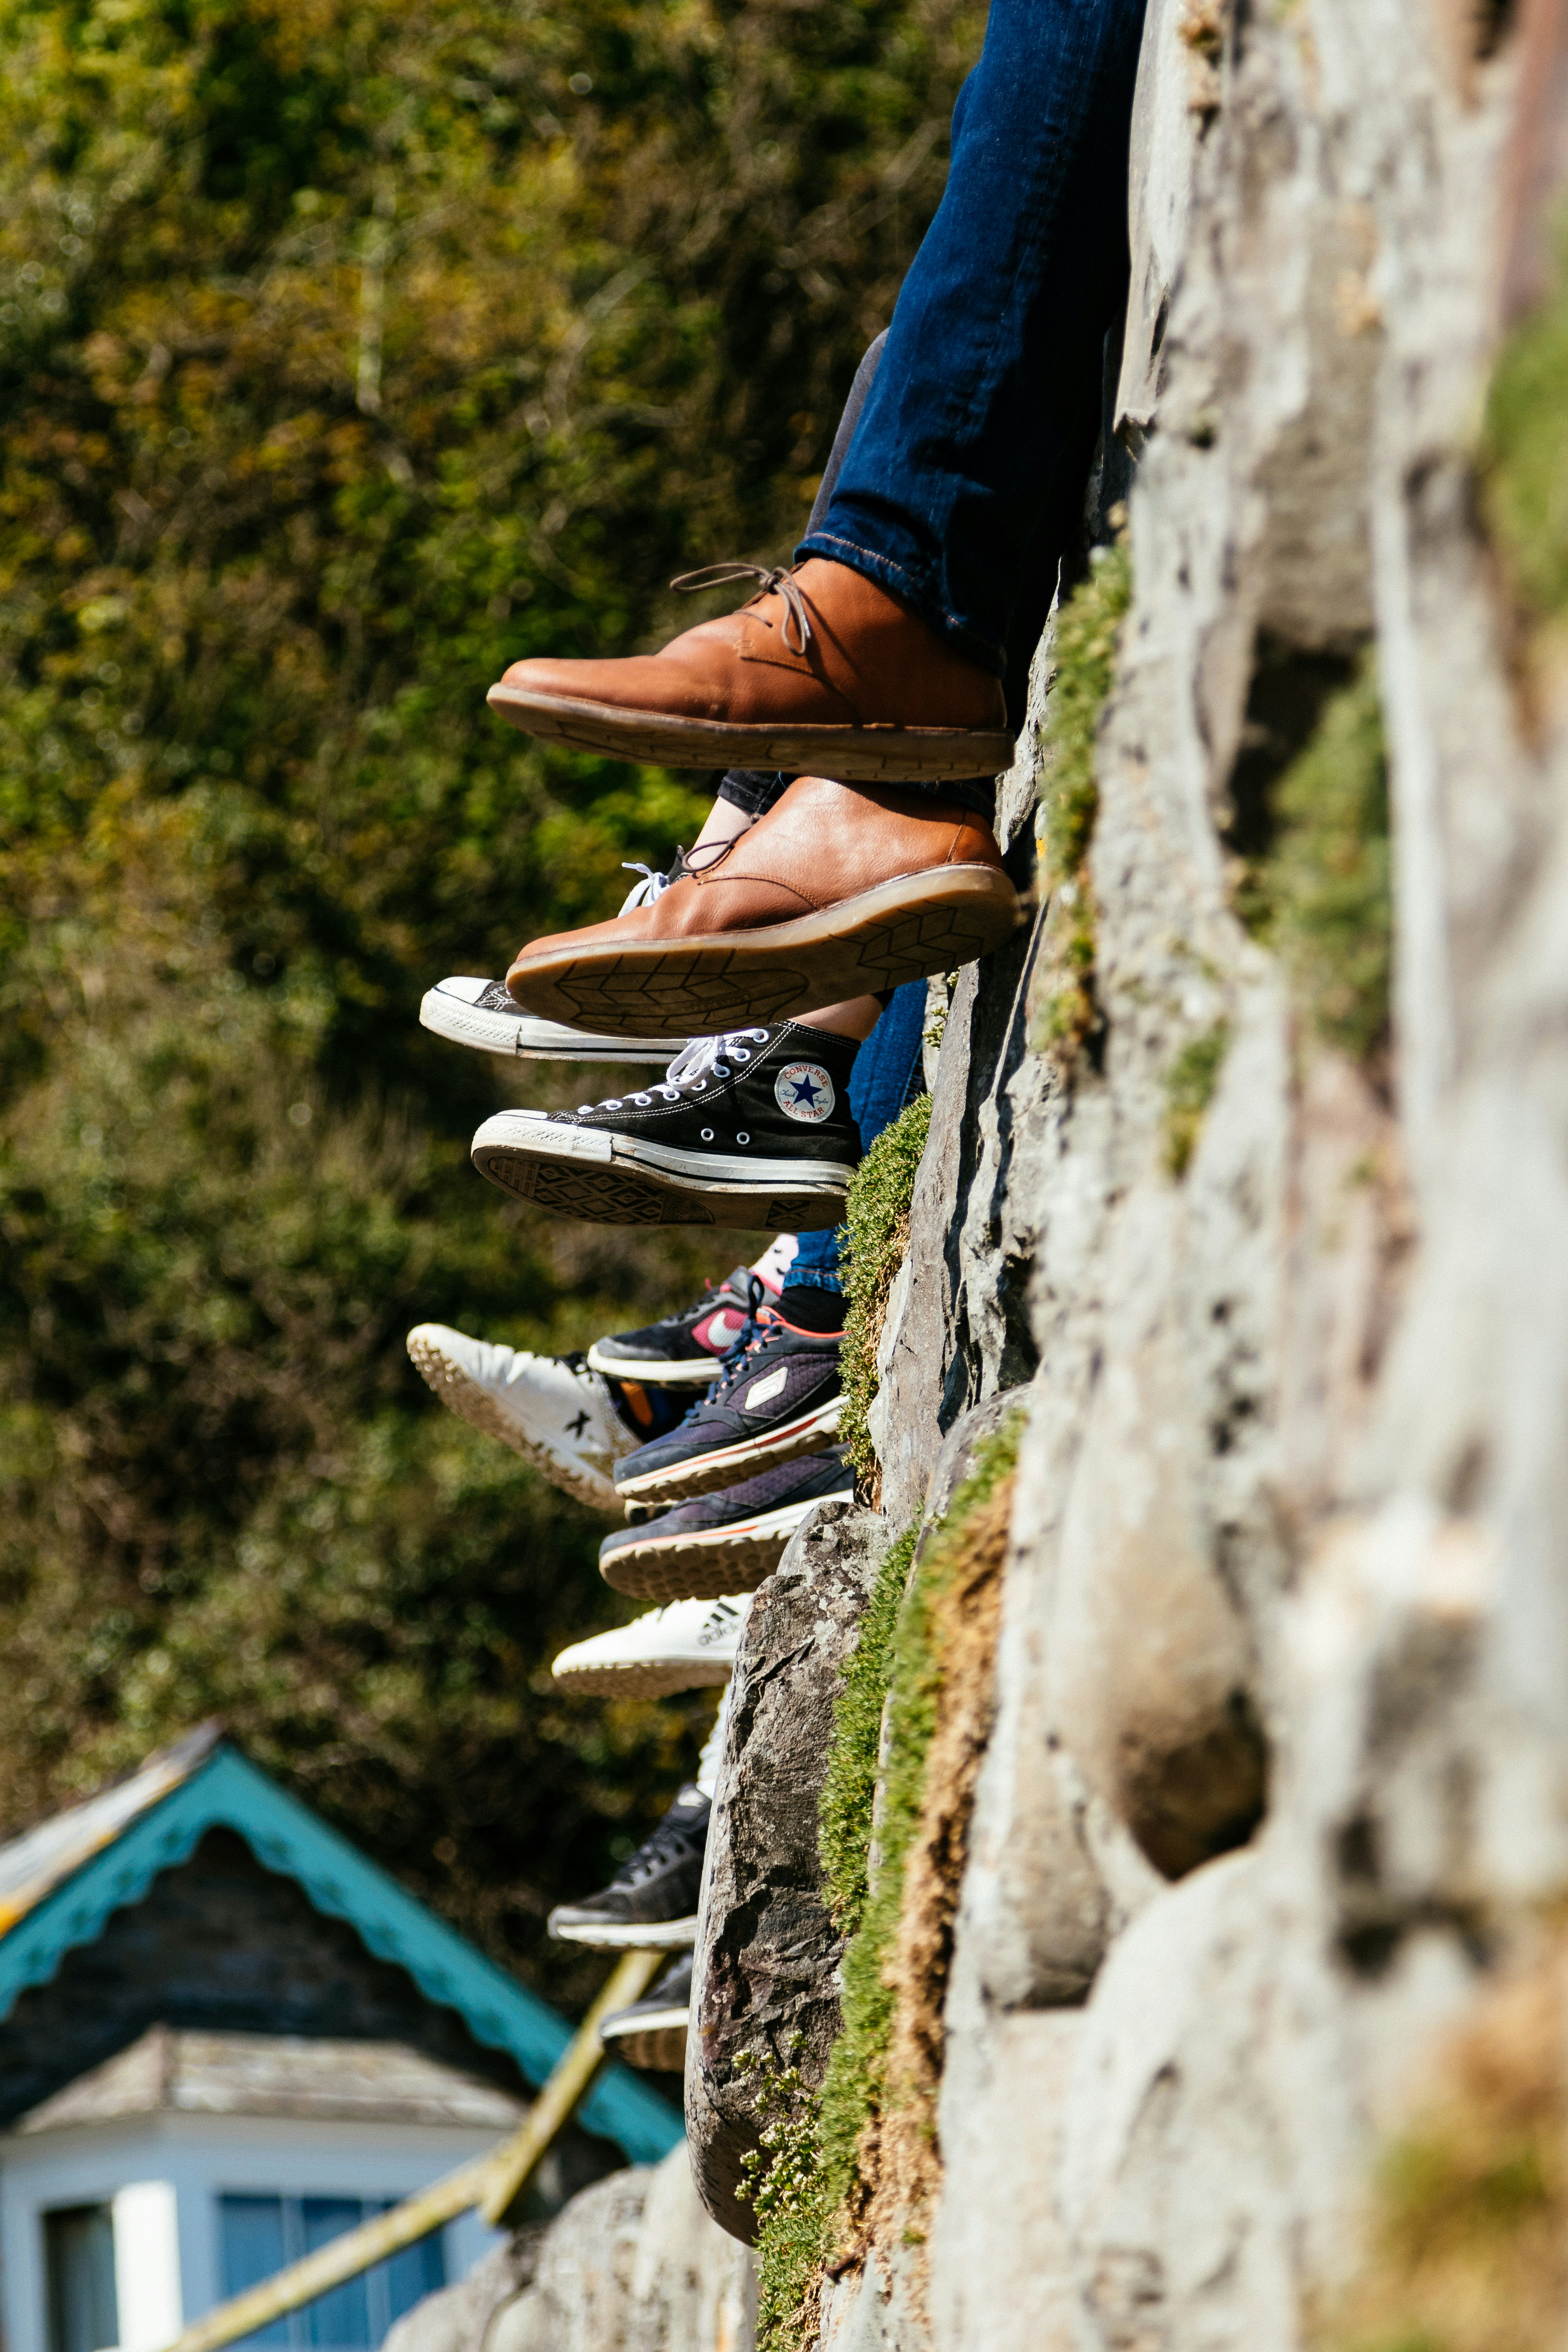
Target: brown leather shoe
{"type": "Point", "coordinates": [834, 893]}
{"type": "Point", "coordinates": [823, 672]}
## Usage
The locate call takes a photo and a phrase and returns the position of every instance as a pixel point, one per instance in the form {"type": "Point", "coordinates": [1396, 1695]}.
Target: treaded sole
{"type": "Point", "coordinates": [703, 1567]}
{"type": "Point", "coordinates": [474, 1404]}
{"type": "Point", "coordinates": [903, 930]}
{"type": "Point", "coordinates": [652, 2048]}
{"type": "Point", "coordinates": [682, 1483]}
{"type": "Point", "coordinates": [654, 1372]}
{"type": "Point", "coordinates": [847, 755]}
{"type": "Point", "coordinates": [549, 1171]}
{"type": "Point", "coordinates": [648, 1678]}
{"type": "Point", "coordinates": [517, 1040]}
{"type": "Point", "coordinates": [667, 1936]}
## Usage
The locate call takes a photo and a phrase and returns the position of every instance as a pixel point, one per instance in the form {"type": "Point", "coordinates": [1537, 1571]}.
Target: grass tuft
{"type": "Point", "coordinates": [1524, 476]}
{"type": "Point", "coordinates": [1464, 2244]}
{"type": "Point", "coordinates": [1189, 1089]}
{"type": "Point", "coordinates": [1321, 894]}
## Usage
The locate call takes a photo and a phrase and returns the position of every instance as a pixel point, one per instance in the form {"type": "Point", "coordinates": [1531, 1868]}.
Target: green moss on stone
{"type": "Point", "coordinates": [1320, 895]}
{"type": "Point", "coordinates": [876, 1232]}
{"type": "Point", "coordinates": [1189, 1088]}
{"type": "Point", "coordinates": [819, 2194]}
{"type": "Point", "coordinates": [850, 1780]}
{"type": "Point", "coordinates": [1088, 629]}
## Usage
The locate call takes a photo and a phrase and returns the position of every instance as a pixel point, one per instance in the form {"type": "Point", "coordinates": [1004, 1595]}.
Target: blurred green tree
{"type": "Point", "coordinates": [347, 353]}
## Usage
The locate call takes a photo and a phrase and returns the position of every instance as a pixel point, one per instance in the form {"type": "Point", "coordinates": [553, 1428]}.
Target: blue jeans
{"type": "Point", "coordinates": [888, 1074]}
{"type": "Point", "coordinates": [991, 373]}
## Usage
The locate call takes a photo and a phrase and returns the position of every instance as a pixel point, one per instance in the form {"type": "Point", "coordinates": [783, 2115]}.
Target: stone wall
{"type": "Point", "coordinates": [632, 2265]}
{"type": "Point", "coordinates": [1274, 1792]}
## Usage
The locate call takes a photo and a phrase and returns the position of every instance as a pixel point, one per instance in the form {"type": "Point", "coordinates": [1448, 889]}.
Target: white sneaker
{"type": "Point", "coordinates": [687, 1646]}
{"type": "Point", "coordinates": [480, 1014]}
{"type": "Point", "coordinates": [552, 1411]}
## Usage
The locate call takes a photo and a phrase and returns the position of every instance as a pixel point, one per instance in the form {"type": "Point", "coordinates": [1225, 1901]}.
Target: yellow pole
{"type": "Point", "coordinates": [515, 2163]}
{"type": "Point", "coordinates": [495, 2183]}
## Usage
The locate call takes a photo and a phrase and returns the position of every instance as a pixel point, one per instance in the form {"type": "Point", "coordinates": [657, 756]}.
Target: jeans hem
{"type": "Point", "coordinates": [888, 572]}
{"type": "Point", "coordinates": [813, 1277]}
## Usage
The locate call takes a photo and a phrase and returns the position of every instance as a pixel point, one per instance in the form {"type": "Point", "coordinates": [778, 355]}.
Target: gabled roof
{"type": "Point", "coordinates": [58, 1884]}
{"type": "Point", "coordinates": [197, 2073]}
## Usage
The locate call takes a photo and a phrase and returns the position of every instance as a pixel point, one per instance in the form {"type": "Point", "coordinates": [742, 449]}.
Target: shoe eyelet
{"type": "Point", "coordinates": [642, 1101]}
{"type": "Point", "coordinates": [741, 1053]}
{"type": "Point", "coordinates": [707, 1135]}
{"type": "Point", "coordinates": [720, 1069]}
{"type": "Point", "coordinates": [742, 1138]}
{"type": "Point", "coordinates": [698, 1085]}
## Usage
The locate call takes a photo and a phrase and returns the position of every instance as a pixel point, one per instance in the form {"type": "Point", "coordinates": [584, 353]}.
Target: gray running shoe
{"type": "Point", "coordinates": [651, 2032]}
{"type": "Point", "coordinates": [650, 1905]}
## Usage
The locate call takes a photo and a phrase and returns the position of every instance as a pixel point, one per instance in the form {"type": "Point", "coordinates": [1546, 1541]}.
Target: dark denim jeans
{"type": "Point", "coordinates": [956, 475]}
{"type": "Point", "coordinates": [889, 1073]}
{"type": "Point", "coordinates": [991, 371]}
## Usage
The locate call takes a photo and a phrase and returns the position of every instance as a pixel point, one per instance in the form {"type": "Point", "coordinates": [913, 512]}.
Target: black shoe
{"type": "Point", "coordinates": [652, 2031]}
{"type": "Point", "coordinates": [749, 1128]}
{"type": "Point", "coordinates": [684, 1349]}
{"type": "Point", "coordinates": [722, 1543]}
{"type": "Point", "coordinates": [777, 1397]}
{"type": "Point", "coordinates": [650, 1905]}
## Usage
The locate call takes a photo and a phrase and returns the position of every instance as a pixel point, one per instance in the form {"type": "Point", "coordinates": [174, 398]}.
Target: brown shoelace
{"type": "Point", "coordinates": [775, 579]}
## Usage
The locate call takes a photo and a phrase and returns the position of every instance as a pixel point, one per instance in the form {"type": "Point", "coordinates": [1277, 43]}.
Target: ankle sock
{"type": "Point", "coordinates": [811, 1309]}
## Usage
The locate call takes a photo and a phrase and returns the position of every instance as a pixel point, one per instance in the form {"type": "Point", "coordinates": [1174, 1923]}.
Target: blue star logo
{"type": "Point", "coordinates": [806, 1090]}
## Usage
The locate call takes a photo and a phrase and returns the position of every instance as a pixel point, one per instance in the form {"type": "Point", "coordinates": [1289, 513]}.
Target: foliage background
{"type": "Point", "coordinates": [347, 353]}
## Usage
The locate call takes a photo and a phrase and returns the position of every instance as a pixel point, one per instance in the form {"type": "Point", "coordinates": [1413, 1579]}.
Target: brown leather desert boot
{"type": "Point", "coordinates": [834, 893]}
{"type": "Point", "coordinates": [822, 671]}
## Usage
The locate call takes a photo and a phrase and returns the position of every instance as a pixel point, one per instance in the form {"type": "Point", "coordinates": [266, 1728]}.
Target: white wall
{"type": "Point", "coordinates": [164, 2174]}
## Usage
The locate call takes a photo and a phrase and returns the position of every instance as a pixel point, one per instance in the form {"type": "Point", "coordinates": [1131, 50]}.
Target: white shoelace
{"type": "Point", "coordinates": [694, 1064]}
{"type": "Point", "coordinates": [701, 1056]}
{"type": "Point", "coordinates": [644, 893]}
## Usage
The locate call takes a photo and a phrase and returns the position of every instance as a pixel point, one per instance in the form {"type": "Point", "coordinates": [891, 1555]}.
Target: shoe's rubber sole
{"type": "Point", "coordinates": [655, 1371]}
{"type": "Point", "coordinates": [846, 755]}
{"type": "Point", "coordinates": [473, 1403]}
{"type": "Point", "coordinates": [650, 1677]}
{"type": "Point", "coordinates": [903, 930]}
{"type": "Point", "coordinates": [518, 1037]}
{"type": "Point", "coordinates": [616, 1180]}
{"type": "Point", "coordinates": [712, 1564]}
{"type": "Point", "coordinates": [658, 2047]}
{"type": "Point", "coordinates": [662, 1936]}
{"type": "Point", "coordinates": [813, 1433]}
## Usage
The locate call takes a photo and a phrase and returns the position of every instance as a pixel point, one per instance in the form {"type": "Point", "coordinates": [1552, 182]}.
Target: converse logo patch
{"type": "Point", "coordinates": [804, 1090]}
{"type": "Point", "coordinates": [763, 1391]}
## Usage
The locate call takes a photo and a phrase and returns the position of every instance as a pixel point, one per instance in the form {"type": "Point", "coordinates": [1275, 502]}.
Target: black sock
{"type": "Point", "coordinates": [811, 1309]}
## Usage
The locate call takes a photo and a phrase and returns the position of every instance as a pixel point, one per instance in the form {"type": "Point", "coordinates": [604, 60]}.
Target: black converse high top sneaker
{"type": "Point", "coordinates": [749, 1129]}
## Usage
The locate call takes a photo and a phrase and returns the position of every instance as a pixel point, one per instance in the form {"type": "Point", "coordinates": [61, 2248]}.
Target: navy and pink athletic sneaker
{"type": "Point", "coordinates": [778, 1397]}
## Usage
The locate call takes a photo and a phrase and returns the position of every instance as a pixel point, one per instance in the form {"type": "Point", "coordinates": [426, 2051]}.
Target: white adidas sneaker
{"type": "Point", "coordinates": [687, 1646]}
{"type": "Point", "coordinates": [480, 1014]}
{"type": "Point", "coordinates": [551, 1410]}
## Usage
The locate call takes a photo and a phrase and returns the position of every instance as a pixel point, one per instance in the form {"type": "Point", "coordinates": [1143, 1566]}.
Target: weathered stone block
{"type": "Point", "coordinates": [765, 1985]}
{"type": "Point", "coordinates": [632, 2265]}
